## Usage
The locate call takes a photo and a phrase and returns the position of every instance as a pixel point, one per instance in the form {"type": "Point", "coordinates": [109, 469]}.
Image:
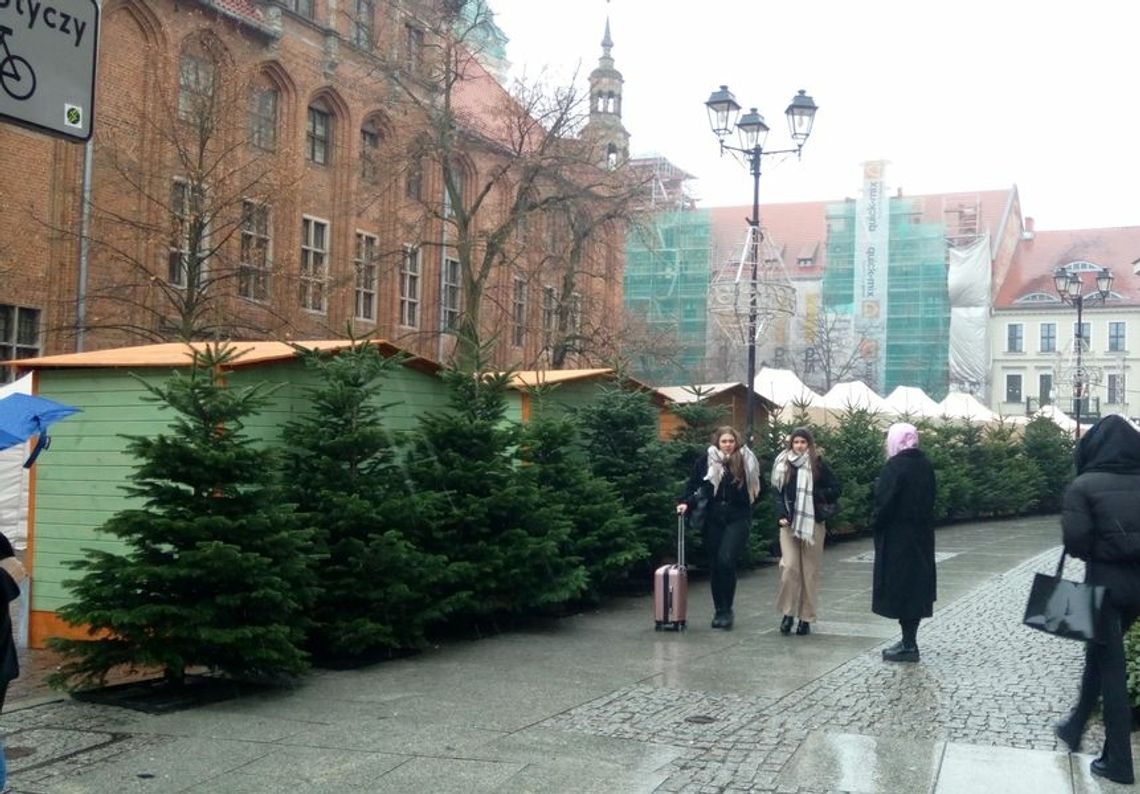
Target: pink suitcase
{"type": "Point", "coordinates": [671, 588]}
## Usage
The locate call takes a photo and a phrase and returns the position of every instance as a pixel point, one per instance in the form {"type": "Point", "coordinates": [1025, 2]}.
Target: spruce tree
{"type": "Point", "coordinates": [603, 535]}
{"type": "Point", "coordinates": [215, 569]}
{"type": "Point", "coordinates": [503, 539]}
{"type": "Point", "coordinates": [341, 467]}
{"type": "Point", "coordinates": [1052, 449]}
{"type": "Point", "coordinates": [619, 431]}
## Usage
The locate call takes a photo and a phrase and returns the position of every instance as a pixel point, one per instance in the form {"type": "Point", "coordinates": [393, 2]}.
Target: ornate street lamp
{"type": "Point", "coordinates": [1070, 288]}
{"type": "Point", "coordinates": [723, 110]}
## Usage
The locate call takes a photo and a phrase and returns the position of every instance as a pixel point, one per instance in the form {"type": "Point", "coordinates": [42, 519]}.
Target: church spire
{"type": "Point", "coordinates": [605, 125]}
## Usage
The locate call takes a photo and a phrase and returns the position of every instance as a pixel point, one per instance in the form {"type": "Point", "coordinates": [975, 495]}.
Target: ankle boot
{"type": "Point", "coordinates": [786, 624]}
{"type": "Point", "coordinates": [899, 652]}
{"type": "Point", "coordinates": [803, 628]}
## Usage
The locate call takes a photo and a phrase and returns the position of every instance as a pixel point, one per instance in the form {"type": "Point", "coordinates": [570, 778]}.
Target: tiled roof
{"type": "Point", "coordinates": [1033, 264]}
{"type": "Point", "coordinates": [483, 105]}
{"type": "Point", "coordinates": [177, 354]}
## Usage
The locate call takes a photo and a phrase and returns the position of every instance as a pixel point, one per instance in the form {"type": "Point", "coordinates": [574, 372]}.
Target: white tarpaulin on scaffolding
{"type": "Point", "coordinates": [14, 478]}
{"type": "Point", "coordinates": [968, 282]}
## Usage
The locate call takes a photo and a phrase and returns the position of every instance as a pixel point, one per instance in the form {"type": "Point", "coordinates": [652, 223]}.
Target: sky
{"type": "Point", "coordinates": [958, 96]}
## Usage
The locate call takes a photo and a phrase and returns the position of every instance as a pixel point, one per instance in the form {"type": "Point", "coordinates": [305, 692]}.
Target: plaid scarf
{"type": "Point", "coordinates": [803, 515]}
{"type": "Point", "coordinates": [716, 467]}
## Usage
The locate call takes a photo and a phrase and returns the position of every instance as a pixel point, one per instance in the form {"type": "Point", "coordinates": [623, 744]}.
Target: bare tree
{"type": "Point", "coordinates": [175, 245]}
{"type": "Point", "coordinates": [828, 351]}
{"type": "Point", "coordinates": [508, 165]}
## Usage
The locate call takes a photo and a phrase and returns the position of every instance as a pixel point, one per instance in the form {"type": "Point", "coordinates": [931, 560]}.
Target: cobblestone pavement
{"type": "Point", "coordinates": [984, 679]}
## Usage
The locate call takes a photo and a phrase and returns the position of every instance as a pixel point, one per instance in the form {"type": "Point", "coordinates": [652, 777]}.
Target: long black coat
{"type": "Point", "coordinates": [905, 582]}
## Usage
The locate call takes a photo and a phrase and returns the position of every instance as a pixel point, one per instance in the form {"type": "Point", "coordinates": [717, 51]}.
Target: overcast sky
{"type": "Point", "coordinates": [960, 95]}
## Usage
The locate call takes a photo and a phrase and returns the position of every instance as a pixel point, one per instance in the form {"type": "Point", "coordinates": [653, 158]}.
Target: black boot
{"type": "Point", "coordinates": [786, 624]}
{"type": "Point", "coordinates": [803, 628]}
{"type": "Point", "coordinates": [718, 620]}
{"type": "Point", "coordinates": [726, 619]}
{"type": "Point", "coordinates": [1101, 768]}
{"type": "Point", "coordinates": [1068, 734]}
{"type": "Point", "coordinates": [900, 652]}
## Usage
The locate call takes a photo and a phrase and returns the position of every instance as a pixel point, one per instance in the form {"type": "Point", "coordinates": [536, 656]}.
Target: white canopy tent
{"type": "Point", "coordinates": [14, 479]}
{"type": "Point", "coordinates": [1058, 417]}
{"type": "Point", "coordinates": [913, 401]}
{"type": "Point", "coordinates": [855, 394]}
{"type": "Point", "coordinates": [959, 405]}
{"type": "Point", "coordinates": [783, 387]}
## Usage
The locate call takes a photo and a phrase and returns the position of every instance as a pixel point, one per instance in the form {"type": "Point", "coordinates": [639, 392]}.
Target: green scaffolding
{"type": "Point", "coordinates": [666, 287]}
{"type": "Point", "coordinates": [918, 304]}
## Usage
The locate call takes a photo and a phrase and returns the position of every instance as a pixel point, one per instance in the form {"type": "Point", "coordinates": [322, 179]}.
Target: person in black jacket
{"type": "Point", "coordinates": [724, 483]}
{"type": "Point", "coordinates": [802, 481]}
{"type": "Point", "coordinates": [11, 576]}
{"type": "Point", "coordinates": [1100, 522]}
{"type": "Point", "coordinates": [905, 582]}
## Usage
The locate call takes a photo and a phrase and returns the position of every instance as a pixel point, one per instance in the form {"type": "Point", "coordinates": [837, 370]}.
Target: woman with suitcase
{"type": "Point", "coordinates": [721, 489]}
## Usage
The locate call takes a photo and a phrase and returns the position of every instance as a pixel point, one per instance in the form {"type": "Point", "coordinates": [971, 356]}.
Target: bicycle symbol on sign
{"type": "Point", "coordinates": [16, 75]}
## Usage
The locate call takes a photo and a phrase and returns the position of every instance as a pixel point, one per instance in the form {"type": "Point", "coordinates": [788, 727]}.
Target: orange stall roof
{"type": "Point", "coordinates": [178, 354]}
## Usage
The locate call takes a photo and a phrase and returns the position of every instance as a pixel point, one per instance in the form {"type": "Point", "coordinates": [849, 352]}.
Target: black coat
{"type": "Point", "coordinates": [905, 582]}
{"type": "Point", "coordinates": [825, 488]}
{"type": "Point", "coordinates": [1100, 517]}
{"type": "Point", "coordinates": [730, 501]}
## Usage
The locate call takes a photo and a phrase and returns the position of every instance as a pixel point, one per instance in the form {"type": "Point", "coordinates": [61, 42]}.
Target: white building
{"type": "Point", "coordinates": [1033, 333]}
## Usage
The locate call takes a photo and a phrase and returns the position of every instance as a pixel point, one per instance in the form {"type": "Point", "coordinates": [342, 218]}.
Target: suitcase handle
{"type": "Point", "coordinates": [681, 539]}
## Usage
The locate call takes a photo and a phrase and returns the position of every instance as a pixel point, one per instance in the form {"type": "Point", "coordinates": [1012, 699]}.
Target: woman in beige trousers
{"type": "Point", "coordinates": [802, 481]}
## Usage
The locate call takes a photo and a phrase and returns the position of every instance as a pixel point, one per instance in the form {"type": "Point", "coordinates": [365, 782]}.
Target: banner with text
{"type": "Point", "coordinates": [872, 248]}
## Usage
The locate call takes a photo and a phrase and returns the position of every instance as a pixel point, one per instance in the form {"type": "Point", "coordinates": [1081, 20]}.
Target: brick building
{"type": "Point", "coordinates": [265, 169]}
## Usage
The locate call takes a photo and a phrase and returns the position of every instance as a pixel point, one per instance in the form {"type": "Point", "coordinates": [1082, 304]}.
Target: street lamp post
{"type": "Point", "coordinates": [723, 110]}
{"type": "Point", "coordinates": [1070, 289]}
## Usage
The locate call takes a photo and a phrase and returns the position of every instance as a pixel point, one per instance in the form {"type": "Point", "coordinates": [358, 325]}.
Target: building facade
{"type": "Point", "coordinates": [292, 170]}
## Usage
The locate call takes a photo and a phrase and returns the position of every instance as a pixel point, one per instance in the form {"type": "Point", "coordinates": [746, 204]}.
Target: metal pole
{"type": "Point", "coordinates": [754, 222]}
{"type": "Point", "coordinates": [1078, 340]}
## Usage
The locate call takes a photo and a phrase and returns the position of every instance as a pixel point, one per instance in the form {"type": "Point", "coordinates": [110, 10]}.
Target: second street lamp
{"type": "Point", "coordinates": [723, 110]}
{"type": "Point", "coordinates": [1070, 288]}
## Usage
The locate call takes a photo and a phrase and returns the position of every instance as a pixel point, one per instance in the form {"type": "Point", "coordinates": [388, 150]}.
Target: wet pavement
{"type": "Point", "coordinates": [600, 702]}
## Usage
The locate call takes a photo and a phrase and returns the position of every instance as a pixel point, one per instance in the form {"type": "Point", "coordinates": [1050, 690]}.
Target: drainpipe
{"type": "Point", "coordinates": [84, 247]}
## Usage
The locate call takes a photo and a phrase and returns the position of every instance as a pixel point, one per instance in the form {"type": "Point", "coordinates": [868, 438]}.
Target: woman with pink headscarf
{"type": "Point", "coordinates": [904, 579]}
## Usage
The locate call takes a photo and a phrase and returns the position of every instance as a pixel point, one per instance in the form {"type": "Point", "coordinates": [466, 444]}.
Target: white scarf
{"type": "Point", "coordinates": [803, 515]}
{"type": "Point", "coordinates": [715, 474]}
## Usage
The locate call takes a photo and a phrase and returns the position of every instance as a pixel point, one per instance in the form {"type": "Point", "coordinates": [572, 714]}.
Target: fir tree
{"type": "Point", "coordinates": [619, 431]}
{"type": "Point", "coordinates": [343, 477]}
{"type": "Point", "coordinates": [603, 535]}
{"type": "Point", "coordinates": [1052, 449]}
{"type": "Point", "coordinates": [215, 569]}
{"type": "Point", "coordinates": [504, 540]}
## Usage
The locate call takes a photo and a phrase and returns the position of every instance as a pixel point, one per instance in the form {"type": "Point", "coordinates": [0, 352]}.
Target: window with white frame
{"type": "Point", "coordinates": [1013, 387]}
{"type": "Point", "coordinates": [1116, 388]}
{"type": "Point", "coordinates": [263, 118]}
{"type": "Point", "coordinates": [302, 7]}
{"type": "Point", "coordinates": [314, 263]}
{"type": "Point", "coordinates": [518, 313]}
{"type": "Point", "coordinates": [1045, 388]}
{"type": "Point", "coordinates": [362, 24]}
{"type": "Point", "coordinates": [410, 287]}
{"type": "Point", "coordinates": [1116, 333]}
{"type": "Point", "coordinates": [253, 267]}
{"type": "Point", "coordinates": [318, 135]}
{"type": "Point", "coordinates": [451, 287]}
{"type": "Point", "coordinates": [549, 311]}
{"type": "Point", "coordinates": [365, 264]}
{"type": "Point", "coordinates": [179, 248]}
{"type": "Point", "coordinates": [1048, 338]}
{"type": "Point", "coordinates": [19, 335]}
{"type": "Point", "coordinates": [1015, 338]}
{"type": "Point", "coordinates": [195, 87]}
{"type": "Point", "coordinates": [413, 49]}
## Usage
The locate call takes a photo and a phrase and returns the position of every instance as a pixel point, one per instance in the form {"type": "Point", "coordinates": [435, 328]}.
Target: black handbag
{"type": "Point", "coordinates": [699, 512]}
{"type": "Point", "coordinates": [1064, 608]}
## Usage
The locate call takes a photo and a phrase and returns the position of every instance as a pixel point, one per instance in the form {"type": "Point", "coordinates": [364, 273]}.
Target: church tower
{"type": "Point", "coordinates": [604, 129]}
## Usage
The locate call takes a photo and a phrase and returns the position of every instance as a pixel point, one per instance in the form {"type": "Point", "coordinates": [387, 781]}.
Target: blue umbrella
{"type": "Point", "coordinates": [23, 416]}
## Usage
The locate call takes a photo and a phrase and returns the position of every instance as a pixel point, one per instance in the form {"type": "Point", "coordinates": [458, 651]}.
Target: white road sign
{"type": "Point", "coordinates": [47, 64]}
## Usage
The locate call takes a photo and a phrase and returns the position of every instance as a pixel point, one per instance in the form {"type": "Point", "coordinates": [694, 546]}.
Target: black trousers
{"type": "Point", "coordinates": [1104, 677]}
{"type": "Point", "coordinates": [725, 538]}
